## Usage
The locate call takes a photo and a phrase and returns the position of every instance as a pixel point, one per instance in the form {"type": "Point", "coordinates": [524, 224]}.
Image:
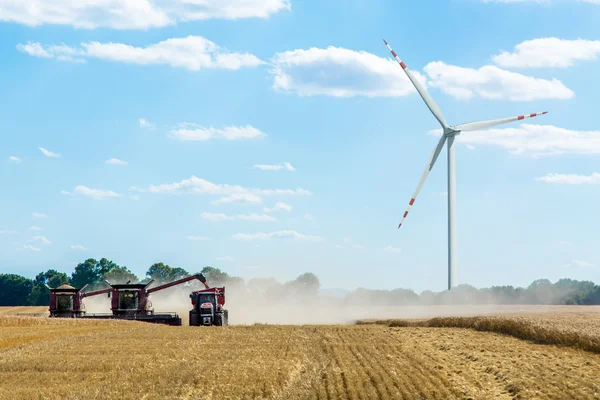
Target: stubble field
{"type": "Point", "coordinates": [440, 358]}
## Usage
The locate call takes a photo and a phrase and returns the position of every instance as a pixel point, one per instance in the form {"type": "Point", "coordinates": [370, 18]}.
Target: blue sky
{"type": "Point", "coordinates": [271, 138]}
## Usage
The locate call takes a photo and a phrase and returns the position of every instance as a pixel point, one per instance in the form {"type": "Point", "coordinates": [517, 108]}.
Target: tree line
{"type": "Point", "coordinates": [16, 290]}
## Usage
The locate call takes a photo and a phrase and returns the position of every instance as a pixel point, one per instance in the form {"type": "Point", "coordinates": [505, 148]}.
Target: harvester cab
{"type": "Point", "coordinates": [67, 301]}
{"type": "Point", "coordinates": [207, 306]}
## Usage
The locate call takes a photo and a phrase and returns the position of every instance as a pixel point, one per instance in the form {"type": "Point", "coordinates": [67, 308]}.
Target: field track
{"type": "Point", "coordinates": [77, 359]}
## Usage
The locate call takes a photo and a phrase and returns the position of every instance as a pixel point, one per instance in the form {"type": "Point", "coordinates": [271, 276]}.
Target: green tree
{"type": "Point", "coordinates": [14, 289]}
{"type": "Point", "coordinates": [91, 272]}
{"type": "Point", "coordinates": [120, 274]}
{"type": "Point", "coordinates": [305, 284]}
{"type": "Point", "coordinates": [165, 273]}
{"type": "Point", "coordinates": [39, 295]}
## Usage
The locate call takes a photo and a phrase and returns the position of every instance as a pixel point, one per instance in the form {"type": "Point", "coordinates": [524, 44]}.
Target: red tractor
{"type": "Point", "coordinates": [208, 306]}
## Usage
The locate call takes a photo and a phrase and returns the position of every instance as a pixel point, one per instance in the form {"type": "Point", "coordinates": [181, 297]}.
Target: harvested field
{"type": "Point", "coordinates": [88, 359]}
{"type": "Point", "coordinates": [25, 311]}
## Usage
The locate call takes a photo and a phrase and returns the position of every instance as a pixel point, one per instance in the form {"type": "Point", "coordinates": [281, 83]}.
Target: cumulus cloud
{"type": "Point", "coordinates": [227, 193]}
{"type": "Point", "coordinates": [31, 247]}
{"type": "Point", "coordinates": [41, 239]}
{"type": "Point", "coordinates": [133, 14]}
{"type": "Point", "coordinates": [14, 159]}
{"type": "Point", "coordinates": [78, 247]}
{"type": "Point", "coordinates": [491, 82]}
{"type": "Point", "coordinates": [97, 194]}
{"type": "Point", "coordinates": [192, 132]}
{"type": "Point", "coordinates": [339, 72]}
{"type": "Point", "coordinates": [197, 238]}
{"type": "Point", "coordinates": [247, 198]}
{"type": "Point", "coordinates": [191, 52]}
{"type": "Point", "coordinates": [571, 179]}
{"type": "Point", "coordinates": [534, 140]}
{"type": "Point", "coordinates": [144, 123]}
{"type": "Point", "coordinates": [275, 167]}
{"type": "Point", "coordinates": [279, 206]}
{"type": "Point", "coordinates": [39, 215]}
{"type": "Point", "coordinates": [549, 52]}
{"type": "Point", "coordinates": [287, 234]}
{"type": "Point", "coordinates": [243, 217]}
{"type": "Point", "coordinates": [48, 153]}
{"type": "Point", "coordinates": [391, 249]}
{"type": "Point", "coordinates": [116, 161]}
{"type": "Point", "coordinates": [580, 264]}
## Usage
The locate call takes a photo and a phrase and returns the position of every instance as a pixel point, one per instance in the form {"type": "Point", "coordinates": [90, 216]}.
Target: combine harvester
{"type": "Point", "coordinates": [128, 301]}
{"type": "Point", "coordinates": [67, 301]}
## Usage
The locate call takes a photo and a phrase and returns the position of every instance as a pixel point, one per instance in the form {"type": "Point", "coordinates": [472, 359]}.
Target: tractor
{"type": "Point", "coordinates": [208, 306]}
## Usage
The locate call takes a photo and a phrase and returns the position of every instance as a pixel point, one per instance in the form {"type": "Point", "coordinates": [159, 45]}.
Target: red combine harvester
{"type": "Point", "coordinates": [66, 301]}
{"type": "Point", "coordinates": [208, 306]}
{"type": "Point", "coordinates": [130, 301]}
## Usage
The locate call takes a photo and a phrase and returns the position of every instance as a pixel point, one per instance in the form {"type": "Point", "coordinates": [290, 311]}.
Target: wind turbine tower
{"type": "Point", "coordinates": [449, 134]}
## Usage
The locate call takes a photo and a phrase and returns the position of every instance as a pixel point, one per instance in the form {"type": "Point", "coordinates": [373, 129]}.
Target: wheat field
{"type": "Point", "coordinates": [42, 358]}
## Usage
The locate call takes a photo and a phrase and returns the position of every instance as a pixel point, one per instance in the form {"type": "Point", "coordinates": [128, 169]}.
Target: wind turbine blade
{"type": "Point", "coordinates": [434, 156]}
{"type": "Point", "coordinates": [475, 126]}
{"type": "Point", "coordinates": [433, 107]}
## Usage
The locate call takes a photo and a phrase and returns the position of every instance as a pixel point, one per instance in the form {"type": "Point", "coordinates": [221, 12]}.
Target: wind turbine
{"type": "Point", "coordinates": [450, 132]}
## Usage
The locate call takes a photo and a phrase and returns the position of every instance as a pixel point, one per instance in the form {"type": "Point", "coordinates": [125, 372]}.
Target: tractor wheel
{"type": "Point", "coordinates": [194, 321]}
{"type": "Point", "coordinates": [225, 317]}
{"type": "Point", "coordinates": [218, 321]}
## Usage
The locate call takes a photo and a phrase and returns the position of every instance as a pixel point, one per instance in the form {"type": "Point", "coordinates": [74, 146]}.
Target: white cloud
{"type": "Point", "coordinates": [197, 238]}
{"type": "Point", "coordinates": [116, 161]}
{"type": "Point", "coordinates": [78, 247]}
{"type": "Point", "coordinates": [225, 258]}
{"type": "Point", "coordinates": [97, 194]}
{"type": "Point", "coordinates": [580, 264]}
{"type": "Point", "coordinates": [30, 247]}
{"type": "Point", "coordinates": [491, 82]}
{"type": "Point", "coordinates": [230, 193]}
{"type": "Point", "coordinates": [549, 52]}
{"type": "Point", "coordinates": [41, 239]}
{"type": "Point", "coordinates": [308, 216]}
{"type": "Point", "coordinates": [39, 215]}
{"type": "Point", "coordinates": [275, 167]}
{"type": "Point", "coordinates": [191, 52]}
{"type": "Point", "coordinates": [534, 140]}
{"type": "Point", "coordinates": [279, 206]}
{"type": "Point", "coordinates": [35, 228]}
{"type": "Point", "coordinates": [7, 232]}
{"type": "Point", "coordinates": [133, 14]}
{"type": "Point", "coordinates": [243, 217]}
{"type": "Point", "coordinates": [146, 124]}
{"type": "Point", "coordinates": [14, 159]}
{"type": "Point", "coordinates": [572, 179]}
{"type": "Point", "coordinates": [247, 198]}
{"type": "Point", "coordinates": [339, 72]}
{"type": "Point", "coordinates": [134, 197]}
{"type": "Point", "coordinates": [192, 132]}
{"type": "Point", "coordinates": [48, 153]}
{"type": "Point", "coordinates": [288, 234]}
{"type": "Point", "coordinates": [391, 249]}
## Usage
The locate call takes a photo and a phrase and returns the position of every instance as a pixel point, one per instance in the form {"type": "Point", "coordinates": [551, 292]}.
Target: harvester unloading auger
{"type": "Point", "coordinates": [128, 301]}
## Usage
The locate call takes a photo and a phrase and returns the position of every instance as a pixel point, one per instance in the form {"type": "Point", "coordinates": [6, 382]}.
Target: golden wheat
{"type": "Point", "coordinates": [43, 358]}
